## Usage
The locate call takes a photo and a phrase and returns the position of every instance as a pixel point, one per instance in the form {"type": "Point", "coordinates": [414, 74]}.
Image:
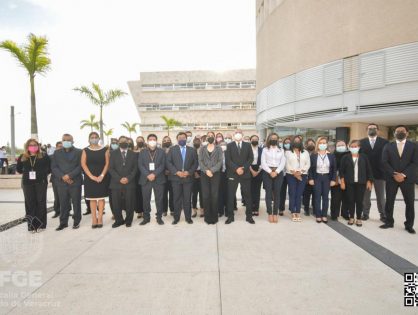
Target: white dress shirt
{"type": "Point", "coordinates": [355, 161]}
{"type": "Point", "coordinates": [300, 163]}
{"type": "Point", "coordinates": [322, 164]}
{"type": "Point", "coordinates": [255, 153]}
{"type": "Point", "coordinates": [273, 157]}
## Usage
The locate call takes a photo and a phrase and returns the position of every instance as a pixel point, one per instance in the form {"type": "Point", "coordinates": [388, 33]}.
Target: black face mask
{"type": "Point", "coordinates": [254, 143]}
{"type": "Point", "coordinates": [273, 142]}
{"type": "Point", "coordinates": [140, 144]}
{"type": "Point", "coordinates": [372, 132]}
{"type": "Point", "coordinates": [130, 146]}
{"type": "Point", "coordinates": [123, 145]}
{"type": "Point", "coordinates": [167, 144]}
{"type": "Point", "coordinates": [196, 145]}
{"type": "Point", "coordinates": [297, 145]}
{"type": "Point", "coordinates": [310, 147]}
{"type": "Point", "coordinates": [210, 139]}
{"type": "Point", "coordinates": [400, 135]}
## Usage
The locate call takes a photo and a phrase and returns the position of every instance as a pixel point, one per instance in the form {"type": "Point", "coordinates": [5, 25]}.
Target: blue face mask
{"type": "Point", "coordinates": [287, 146]}
{"type": "Point", "coordinates": [67, 144]}
{"type": "Point", "coordinates": [114, 146]}
{"type": "Point", "coordinates": [322, 147]}
{"type": "Point", "coordinates": [354, 150]}
{"type": "Point", "coordinates": [341, 149]}
{"type": "Point", "coordinates": [182, 143]}
{"type": "Point", "coordinates": [281, 145]}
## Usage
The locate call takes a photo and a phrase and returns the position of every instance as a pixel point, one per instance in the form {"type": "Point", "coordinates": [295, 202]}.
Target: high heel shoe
{"type": "Point", "coordinates": [271, 218]}
{"type": "Point", "coordinates": [94, 226]}
{"type": "Point", "coordinates": [99, 226]}
{"type": "Point", "coordinates": [275, 218]}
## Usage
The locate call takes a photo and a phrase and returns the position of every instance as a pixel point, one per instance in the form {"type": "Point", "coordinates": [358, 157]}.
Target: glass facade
{"type": "Point", "coordinates": [196, 106]}
{"type": "Point", "coordinates": [198, 86]}
{"type": "Point", "coordinates": [306, 133]}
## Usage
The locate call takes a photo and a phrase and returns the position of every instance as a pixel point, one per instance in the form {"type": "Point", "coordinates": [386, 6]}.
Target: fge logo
{"type": "Point", "coordinates": [21, 278]}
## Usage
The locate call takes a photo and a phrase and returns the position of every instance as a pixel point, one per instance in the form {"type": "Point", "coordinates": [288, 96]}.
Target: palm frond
{"type": "Point", "coordinates": [112, 95]}
{"type": "Point", "coordinates": [17, 52]}
{"type": "Point", "coordinates": [37, 54]}
{"type": "Point", "coordinates": [84, 90]}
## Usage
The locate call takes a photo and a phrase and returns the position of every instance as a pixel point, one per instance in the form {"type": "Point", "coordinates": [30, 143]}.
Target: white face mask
{"type": "Point", "coordinates": [223, 147]}
{"type": "Point", "coordinates": [152, 143]}
{"type": "Point", "coordinates": [238, 136]}
{"type": "Point", "coordinates": [204, 143]}
{"type": "Point", "coordinates": [189, 139]}
{"type": "Point", "coordinates": [227, 140]}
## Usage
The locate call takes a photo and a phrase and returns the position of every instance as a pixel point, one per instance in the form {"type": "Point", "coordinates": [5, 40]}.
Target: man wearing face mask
{"type": "Point", "coordinates": [372, 146]}
{"type": "Point", "coordinates": [151, 164]}
{"type": "Point", "coordinates": [123, 169]}
{"type": "Point", "coordinates": [400, 162]}
{"type": "Point", "coordinates": [308, 193]}
{"type": "Point", "coordinates": [189, 139]}
{"type": "Point", "coordinates": [238, 159]}
{"type": "Point", "coordinates": [66, 167]}
{"type": "Point", "coordinates": [168, 201]}
{"type": "Point", "coordinates": [182, 163]}
{"type": "Point", "coordinates": [140, 145]}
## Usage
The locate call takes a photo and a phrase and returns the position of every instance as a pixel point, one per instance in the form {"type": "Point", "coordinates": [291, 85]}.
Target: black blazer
{"type": "Point", "coordinates": [374, 155]}
{"type": "Point", "coordinates": [42, 167]}
{"type": "Point", "coordinates": [144, 159]}
{"type": "Point", "coordinates": [62, 165]}
{"type": "Point", "coordinates": [406, 164]}
{"type": "Point", "coordinates": [117, 170]}
{"type": "Point", "coordinates": [233, 160]}
{"type": "Point", "coordinates": [174, 163]}
{"type": "Point", "coordinates": [332, 167]}
{"type": "Point", "coordinates": [364, 169]}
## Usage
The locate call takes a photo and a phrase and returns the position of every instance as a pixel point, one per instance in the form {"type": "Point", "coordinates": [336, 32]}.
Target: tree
{"type": "Point", "coordinates": [170, 123]}
{"type": "Point", "coordinates": [130, 128]}
{"type": "Point", "coordinates": [100, 98]}
{"type": "Point", "coordinates": [32, 56]}
{"type": "Point", "coordinates": [92, 123]}
{"type": "Point", "coordinates": [108, 133]}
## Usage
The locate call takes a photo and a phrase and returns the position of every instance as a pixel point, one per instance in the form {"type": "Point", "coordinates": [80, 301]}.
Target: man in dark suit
{"type": "Point", "coordinates": [53, 180]}
{"type": "Point", "coordinates": [400, 161]}
{"type": "Point", "coordinates": [238, 159]}
{"type": "Point", "coordinates": [66, 168]}
{"type": "Point", "coordinates": [372, 147]}
{"type": "Point", "coordinates": [182, 162]}
{"type": "Point", "coordinates": [151, 163]}
{"type": "Point", "coordinates": [256, 174]}
{"type": "Point", "coordinates": [123, 167]}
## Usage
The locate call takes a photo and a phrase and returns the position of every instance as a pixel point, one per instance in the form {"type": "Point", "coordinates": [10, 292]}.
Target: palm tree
{"type": "Point", "coordinates": [170, 123]}
{"type": "Point", "coordinates": [32, 56]}
{"type": "Point", "coordinates": [130, 128]}
{"type": "Point", "coordinates": [100, 98]}
{"type": "Point", "coordinates": [92, 123]}
{"type": "Point", "coordinates": [108, 133]}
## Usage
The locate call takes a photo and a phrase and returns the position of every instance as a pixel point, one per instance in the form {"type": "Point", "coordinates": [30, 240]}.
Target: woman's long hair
{"type": "Point", "coordinates": [269, 137]}
{"type": "Point", "coordinates": [26, 153]}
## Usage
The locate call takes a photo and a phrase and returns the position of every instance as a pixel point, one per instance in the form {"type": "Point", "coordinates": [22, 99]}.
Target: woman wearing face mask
{"type": "Point", "coordinates": [322, 175]}
{"type": "Point", "coordinates": [197, 187]}
{"type": "Point", "coordinates": [356, 176]}
{"type": "Point", "coordinates": [219, 138]}
{"type": "Point", "coordinates": [338, 196]}
{"type": "Point", "coordinates": [297, 166]}
{"type": "Point", "coordinates": [283, 192]}
{"type": "Point", "coordinates": [168, 202]}
{"type": "Point", "coordinates": [308, 193]}
{"type": "Point", "coordinates": [140, 145]}
{"type": "Point", "coordinates": [256, 174]}
{"type": "Point", "coordinates": [223, 184]}
{"type": "Point", "coordinates": [95, 164]}
{"type": "Point", "coordinates": [34, 167]}
{"type": "Point", "coordinates": [273, 162]}
{"type": "Point", "coordinates": [210, 163]}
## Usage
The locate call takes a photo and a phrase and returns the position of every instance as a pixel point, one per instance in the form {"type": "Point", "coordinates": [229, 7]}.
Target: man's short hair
{"type": "Point", "coordinates": [152, 135]}
{"type": "Point", "coordinates": [181, 133]}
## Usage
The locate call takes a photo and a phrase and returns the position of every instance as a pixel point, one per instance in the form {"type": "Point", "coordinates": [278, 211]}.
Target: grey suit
{"type": "Point", "coordinates": [118, 168]}
{"type": "Point", "coordinates": [182, 187]}
{"type": "Point", "coordinates": [68, 162]}
{"type": "Point", "coordinates": [157, 157]}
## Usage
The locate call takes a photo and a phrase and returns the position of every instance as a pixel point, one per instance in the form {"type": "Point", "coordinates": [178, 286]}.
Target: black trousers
{"type": "Point", "coordinates": [255, 190]}
{"type": "Point", "coordinates": [283, 194]}
{"type": "Point", "coordinates": [246, 194]}
{"type": "Point", "coordinates": [56, 198]}
{"type": "Point", "coordinates": [182, 192]}
{"type": "Point", "coordinates": [273, 187]}
{"type": "Point", "coordinates": [168, 199]}
{"type": "Point", "coordinates": [35, 200]}
{"type": "Point", "coordinates": [69, 195]}
{"type": "Point", "coordinates": [197, 192]}
{"type": "Point", "coordinates": [139, 199]}
{"type": "Point", "coordinates": [308, 195]}
{"type": "Point", "coordinates": [124, 199]}
{"type": "Point", "coordinates": [408, 193]}
{"type": "Point", "coordinates": [355, 196]}
{"type": "Point", "coordinates": [339, 203]}
{"type": "Point", "coordinates": [210, 195]}
{"type": "Point", "coordinates": [158, 195]}
{"type": "Point", "coordinates": [223, 194]}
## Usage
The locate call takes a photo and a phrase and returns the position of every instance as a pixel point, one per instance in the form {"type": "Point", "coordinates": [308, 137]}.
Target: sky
{"type": "Point", "coordinates": [110, 42]}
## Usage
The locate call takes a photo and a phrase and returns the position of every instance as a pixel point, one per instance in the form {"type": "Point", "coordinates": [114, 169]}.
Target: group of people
{"type": "Point", "coordinates": [210, 167]}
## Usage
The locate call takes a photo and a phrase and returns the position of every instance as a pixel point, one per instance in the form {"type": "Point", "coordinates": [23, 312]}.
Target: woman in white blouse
{"type": "Point", "coordinates": [272, 162]}
{"type": "Point", "coordinates": [298, 162]}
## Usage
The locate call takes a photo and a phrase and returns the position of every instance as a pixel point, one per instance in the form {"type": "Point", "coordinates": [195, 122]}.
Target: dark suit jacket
{"type": "Point", "coordinates": [117, 170]}
{"type": "Point", "coordinates": [233, 160]}
{"type": "Point", "coordinates": [332, 166]}
{"type": "Point", "coordinates": [174, 163]}
{"type": "Point", "coordinates": [363, 165]}
{"type": "Point", "coordinates": [406, 164]}
{"type": "Point", "coordinates": [256, 168]}
{"type": "Point", "coordinates": [68, 163]}
{"type": "Point", "coordinates": [374, 155]}
{"type": "Point", "coordinates": [144, 159]}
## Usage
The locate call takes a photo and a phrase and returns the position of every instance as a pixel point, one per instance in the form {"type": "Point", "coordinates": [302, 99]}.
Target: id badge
{"type": "Point", "coordinates": [152, 166]}
{"type": "Point", "coordinates": [32, 175]}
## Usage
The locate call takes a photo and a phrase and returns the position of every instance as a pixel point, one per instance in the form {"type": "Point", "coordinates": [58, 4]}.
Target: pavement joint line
{"type": "Point", "coordinates": [381, 253]}
{"type": "Point", "coordinates": [219, 269]}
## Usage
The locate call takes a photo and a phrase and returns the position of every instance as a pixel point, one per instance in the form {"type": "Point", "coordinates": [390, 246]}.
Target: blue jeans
{"type": "Point", "coordinates": [321, 190]}
{"type": "Point", "coordinates": [296, 188]}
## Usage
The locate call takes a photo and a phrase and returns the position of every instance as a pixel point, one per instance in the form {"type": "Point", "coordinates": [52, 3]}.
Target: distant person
{"type": "Point", "coordinates": [139, 208]}
{"type": "Point", "coordinates": [256, 174]}
{"type": "Point", "coordinates": [4, 163]}
{"type": "Point", "coordinates": [197, 186]}
{"type": "Point", "coordinates": [339, 203]}
{"type": "Point", "coordinates": [53, 180]}
{"type": "Point", "coordinates": [168, 199]}
{"type": "Point", "coordinates": [308, 193]}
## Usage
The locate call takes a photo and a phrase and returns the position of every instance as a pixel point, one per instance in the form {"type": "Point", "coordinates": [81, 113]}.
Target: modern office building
{"type": "Point", "coordinates": [337, 63]}
{"type": "Point", "coordinates": [200, 100]}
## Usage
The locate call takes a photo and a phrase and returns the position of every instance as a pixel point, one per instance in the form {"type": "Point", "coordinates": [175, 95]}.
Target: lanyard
{"type": "Point", "coordinates": [152, 156]}
{"type": "Point", "coordinates": [32, 164]}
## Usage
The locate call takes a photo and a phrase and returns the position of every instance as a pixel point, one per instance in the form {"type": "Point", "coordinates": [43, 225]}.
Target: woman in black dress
{"type": "Point", "coordinates": [95, 163]}
{"type": "Point", "coordinates": [34, 165]}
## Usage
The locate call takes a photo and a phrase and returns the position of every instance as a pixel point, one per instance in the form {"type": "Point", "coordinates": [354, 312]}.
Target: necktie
{"type": "Point", "coordinates": [372, 143]}
{"type": "Point", "coordinates": [400, 148]}
{"type": "Point", "coordinates": [183, 155]}
{"type": "Point", "coordinates": [239, 148]}
{"type": "Point", "coordinates": [124, 157]}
